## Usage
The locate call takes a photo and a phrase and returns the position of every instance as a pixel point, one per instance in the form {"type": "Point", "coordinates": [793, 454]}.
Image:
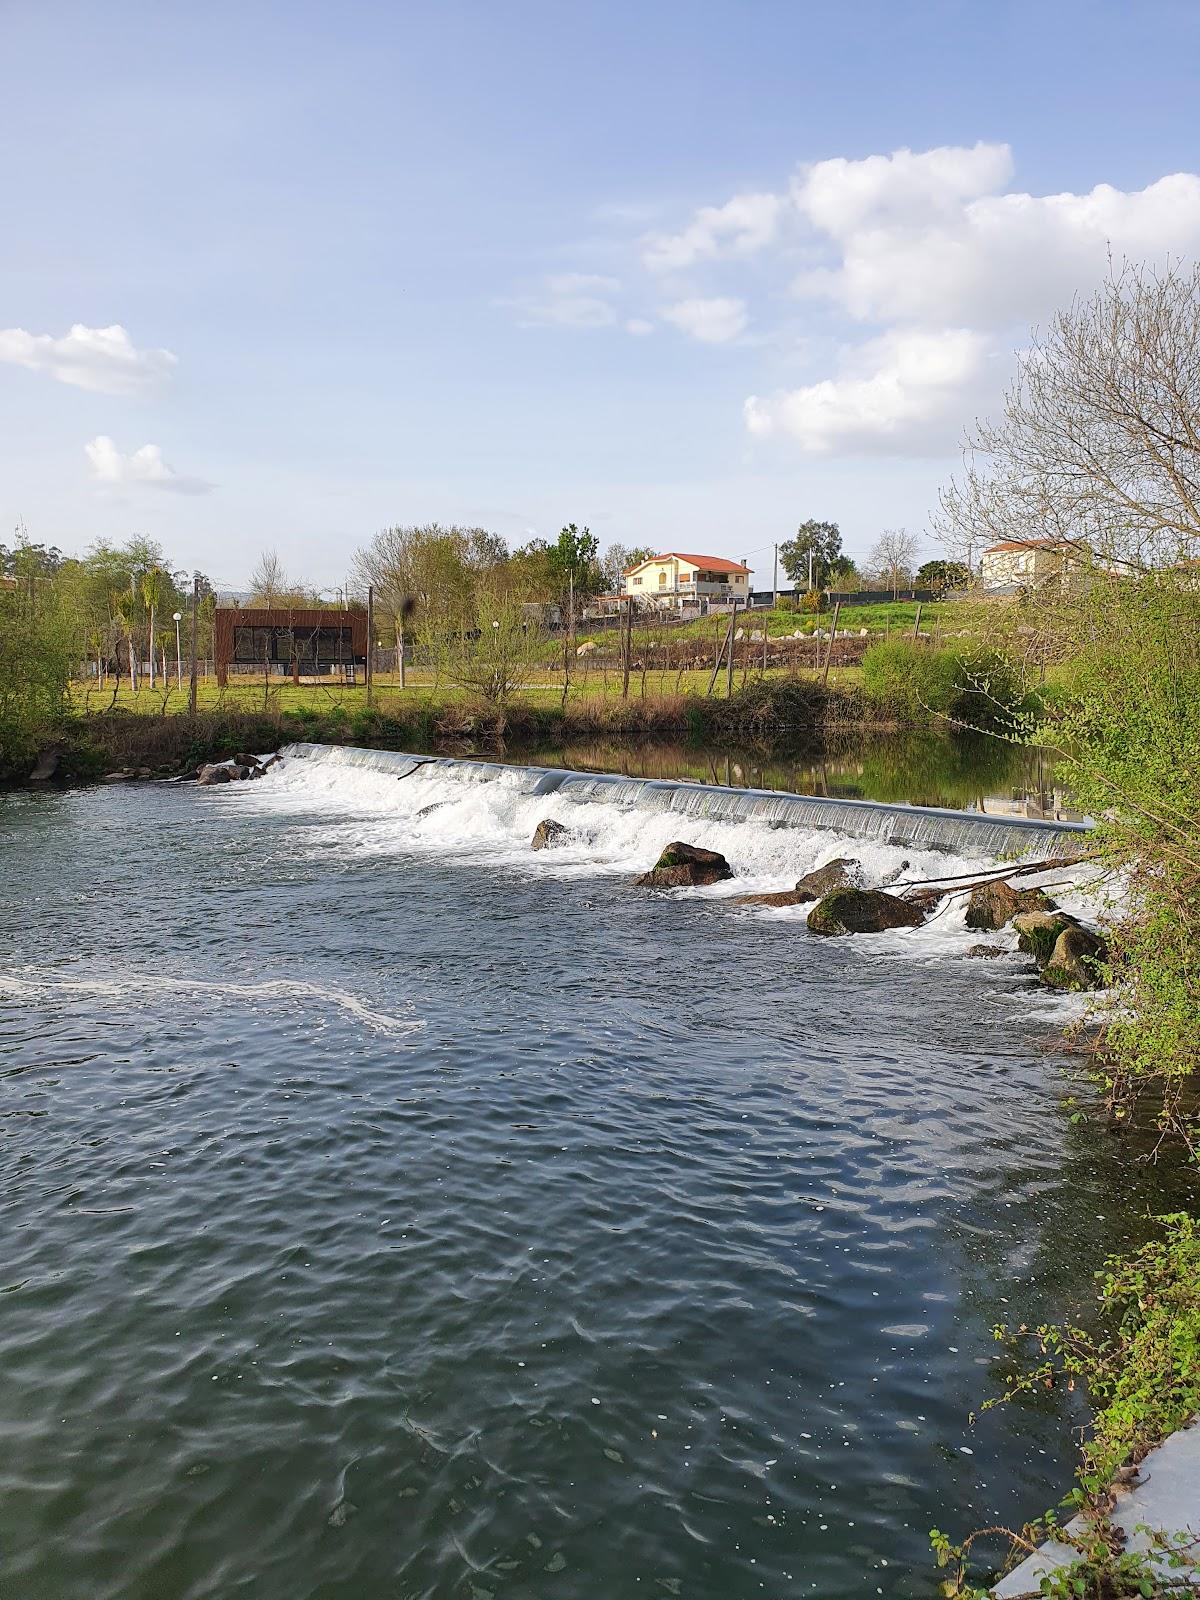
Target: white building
{"type": "Point", "coordinates": [675, 580]}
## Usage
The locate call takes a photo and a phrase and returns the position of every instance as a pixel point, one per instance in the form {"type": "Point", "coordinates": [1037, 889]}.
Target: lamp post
{"type": "Point", "coordinates": [178, 652]}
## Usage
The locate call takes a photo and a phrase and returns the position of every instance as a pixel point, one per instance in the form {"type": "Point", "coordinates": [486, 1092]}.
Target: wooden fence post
{"type": "Point", "coordinates": [837, 606]}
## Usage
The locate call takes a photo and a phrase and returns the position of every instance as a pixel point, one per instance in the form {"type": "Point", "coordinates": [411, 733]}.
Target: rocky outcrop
{"type": "Point", "coordinates": [840, 873]}
{"type": "Point", "coordinates": [548, 833]}
{"type": "Point", "coordinates": [863, 911]}
{"type": "Point", "coordinates": [686, 866]}
{"type": "Point", "coordinates": [1075, 959]}
{"type": "Point", "coordinates": [994, 905]}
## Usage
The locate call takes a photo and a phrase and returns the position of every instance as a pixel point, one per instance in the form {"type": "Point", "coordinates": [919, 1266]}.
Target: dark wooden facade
{"type": "Point", "coordinates": [289, 639]}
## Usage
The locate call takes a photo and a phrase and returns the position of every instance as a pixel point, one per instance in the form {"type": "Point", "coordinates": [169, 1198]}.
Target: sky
{"type": "Point", "coordinates": [279, 275]}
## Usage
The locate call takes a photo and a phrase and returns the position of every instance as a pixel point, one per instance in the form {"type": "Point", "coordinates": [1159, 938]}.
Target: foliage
{"type": "Point", "coordinates": [37, 654]}
{"type": "Point", "coordinates": [892, 555]}
{"type": "Point", "coordinates": [821, 540]}
{"type": "Point", "coordinates": [573, 563]}
{"type": "Point", "coordinates": [942, 575]}
{"type": "Point", "coordinates": [618, 559]}
{"type": "Point", "coordinates": [811, 601]}
{"type": "Point", "coordinates": [909, 680]}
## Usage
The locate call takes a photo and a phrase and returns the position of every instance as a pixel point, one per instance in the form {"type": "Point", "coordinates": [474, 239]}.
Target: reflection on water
{"type": "Point", "coordinates": [965, 772]}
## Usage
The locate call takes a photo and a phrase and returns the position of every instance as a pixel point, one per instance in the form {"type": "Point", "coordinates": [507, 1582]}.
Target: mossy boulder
{"type": "Point", "coordinates": [686, 866]}
{"type": "Point", "coordinates": [863, 911]}
{"type": "Point", "coordinates": [1076, 960]}
{"type": "Point", "coordinates": [837, 874]}
{"type": "Point", "coordinates": [1038, 932]}
{"type": "Point", "coordinates": [994, 905]}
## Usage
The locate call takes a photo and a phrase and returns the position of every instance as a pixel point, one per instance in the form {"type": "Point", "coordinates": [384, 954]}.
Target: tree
{"type": "Point", "coordinates": [618, 559]}
{"type": "Point", "coordinates": [152, 593]}
{"type": "Point", "coordinates": [942, 575]}
{"type": "Point", "coordinates": [1097, 445]}
{"type": "Point", "coordinates": [574, 562]}
{"type": "Point", "coordinates": [820, 540]}
{"type": "Point", "coordinates": [892, 556]}
{"type": "Point", "coordinates": [842, 574]}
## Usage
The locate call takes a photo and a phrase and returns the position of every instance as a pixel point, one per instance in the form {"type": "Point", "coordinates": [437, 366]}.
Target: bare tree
{"type": "Point", "coordinates": [270, 585]}
{"type": "Point", "coordinates": [892, 556]}
{"type": "Point", "coordinates": [1098, 445]}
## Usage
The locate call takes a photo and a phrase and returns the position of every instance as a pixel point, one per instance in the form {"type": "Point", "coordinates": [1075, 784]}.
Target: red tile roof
{"type": "Point", "coordinates": [708, 563]}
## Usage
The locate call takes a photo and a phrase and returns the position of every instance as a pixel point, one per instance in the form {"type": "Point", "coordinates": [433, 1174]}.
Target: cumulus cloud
{"type": "Point", "coordinates": [740, 227]}
{"type": "Point", "coordinates": [714, 321]}
{"type": "Point", "coordinates": [144, 468]}
{"type": "Point", "coordinates": [102, 359]}
{"type": "Point", "coordinates": [924, 237]}
{"type": "Point", "coordinates": [900, 394]}
{"type": "Point", "coordinates": [639, 326]}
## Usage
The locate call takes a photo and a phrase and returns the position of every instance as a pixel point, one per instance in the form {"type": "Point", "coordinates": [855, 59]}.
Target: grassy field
{"type": "Point", "coordinates": [891, 616]}
{"type": "Point", "coordinates": [422, 690]}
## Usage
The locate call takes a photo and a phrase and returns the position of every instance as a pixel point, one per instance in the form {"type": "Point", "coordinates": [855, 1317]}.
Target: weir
{"type": "Point", "coordinates": [922, 827]}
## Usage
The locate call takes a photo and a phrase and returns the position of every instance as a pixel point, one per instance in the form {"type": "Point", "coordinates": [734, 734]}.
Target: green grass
{"type": "Point", "coordinates": [422, 690]}
{"type": "Point", "coordinates": [892, 615]}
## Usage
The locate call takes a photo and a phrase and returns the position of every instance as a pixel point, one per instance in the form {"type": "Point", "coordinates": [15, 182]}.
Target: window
{"type": "Point", "coordinates": [685, 577]}
{"type": "Point", "coordinates": [662, 580]}
{"type": "Point", "coordinates": [638, 579]}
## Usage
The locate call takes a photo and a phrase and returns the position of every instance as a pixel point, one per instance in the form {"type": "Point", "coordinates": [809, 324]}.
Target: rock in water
{"type": "Point", "coordinates": [993, 905]}
{"type": "Point", "coordinates": [776, 897]}
{"type": "Point", "coordinates": [1038, 931]}
{"type": "Point", "coordinates": [863, 911]}
{"type": "Point", "coordinates": [1074, 960]}
{"type": "Point", "coordinates": [686, 866]}
{"type": "Point", "coordinates": [548, 833]}
{"type": "Point", "coordinates": [838, 874]}
{"type": "Point", "coordinates": [987, 952]}
{"type": "Point", "coordinates": [45, 768]}
{"type": "Point", "coordinates": [214, 774]}
{"type": "Point", "coordinates": [244, 760]}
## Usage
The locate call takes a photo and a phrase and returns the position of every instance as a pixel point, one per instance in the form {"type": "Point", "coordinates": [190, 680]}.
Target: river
{"type": "Point", "coordinates": [391, 1211]}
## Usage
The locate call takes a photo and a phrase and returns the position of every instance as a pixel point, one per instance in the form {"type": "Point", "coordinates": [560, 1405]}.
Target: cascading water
{"type": "Point", "coordinates": [967, 833]}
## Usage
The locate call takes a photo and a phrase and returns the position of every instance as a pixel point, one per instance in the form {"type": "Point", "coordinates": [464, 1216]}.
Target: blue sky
{"type": "Point", "coordinates": [657, 268]}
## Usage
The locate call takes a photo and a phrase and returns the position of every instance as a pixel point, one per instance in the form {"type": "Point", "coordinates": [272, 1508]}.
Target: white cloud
{"type": "Point", "coordinates": [144, 468]}
{"type": "Point", "coordinates": [714, 321]}
{"type": "Point", "coordinates": [639, 326]}
{"type": "Point", "coordinates": [903, 393]}
{"type": "Point", "coordinates": [840, 197]}
{"type": "Point", "coordinates": [569, 300]}
{"type": "Point", "coordinates": [740, 227]}
{"type": "Point", "coordinates": [103, 359]}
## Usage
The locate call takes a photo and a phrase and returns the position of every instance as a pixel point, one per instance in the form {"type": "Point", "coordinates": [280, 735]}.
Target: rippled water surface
{"type": "Point", "coordinates": [388, 1211]}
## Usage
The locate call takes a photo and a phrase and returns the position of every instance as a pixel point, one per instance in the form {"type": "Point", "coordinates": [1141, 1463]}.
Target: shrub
{"type": "Point", "coordinates": [812, 601]}
{"type": "Point", "coordinates": [911, 681]}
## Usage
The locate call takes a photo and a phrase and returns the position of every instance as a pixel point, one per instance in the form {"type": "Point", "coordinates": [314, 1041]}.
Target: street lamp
{"type": "Point", "coordinates": [178, 615]}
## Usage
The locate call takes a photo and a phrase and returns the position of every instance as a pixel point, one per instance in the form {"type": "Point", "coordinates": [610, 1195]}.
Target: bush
{"type": "Point", "coordinates": [911, 681]}
{"type": "Point", "coordinates": [812, 601]}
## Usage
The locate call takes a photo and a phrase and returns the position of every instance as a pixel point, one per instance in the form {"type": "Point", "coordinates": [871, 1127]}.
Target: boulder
{"type": "Point", "coordinates": [270, 761]}
{"type": "Point", "coordinates": [586, 648]}
{"type": "Point", "coordinates": [994, 905]}
{"type": "Point", "coordinates": [548, 833]}
{"type": "Point", "coordinates": [987, 952]}
{"type": "Point", "coordinates": [863, 911]}
{"type": "Point", "coordinates": [1074, 960]}
{"type": "Point", "coordinates": [45, 767]}
{"type": "Point", "coordinates": [214, 773]}
{"type": "Point", "coordinates": [685, 866]}
{"type": "Point", "coordinates": [121, 776]}
{"type": "Point", "coordinates": [1038, 931]}
{"type": "Point", "coordinates": [837, 874]}
{"type": "Point", "coordinates": [244, 760]}
{"type": "Point", "coordinates": [776, 897]}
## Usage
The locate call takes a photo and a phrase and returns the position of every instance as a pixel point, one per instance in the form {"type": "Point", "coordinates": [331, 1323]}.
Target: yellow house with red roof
{"type": "Point", "coordinates": [675, 580]}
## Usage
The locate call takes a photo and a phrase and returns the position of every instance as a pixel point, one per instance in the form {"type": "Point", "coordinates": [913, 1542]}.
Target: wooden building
{"type": "Point", "coordinates": [289, 641]}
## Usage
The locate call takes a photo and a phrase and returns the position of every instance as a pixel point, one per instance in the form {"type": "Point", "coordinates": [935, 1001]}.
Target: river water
{"type": "Point", "coordinates": [390, 1211]}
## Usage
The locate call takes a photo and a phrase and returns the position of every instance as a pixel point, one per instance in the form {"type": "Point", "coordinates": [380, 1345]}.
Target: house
{"type": "Point", "coordinates": [1031, 563]}
{"type": "Point", "coordinates": [674, 581]}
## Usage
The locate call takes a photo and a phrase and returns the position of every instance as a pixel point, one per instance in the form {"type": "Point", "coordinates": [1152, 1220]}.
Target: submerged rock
{"type": "Point", "coordinates": [685, 866]}
{"type": "Point", "coordinates": [775, 897]}
{"type": "Point", "coordinates": [987, 952]}
{"type": "Point", "coordinates": [994, 905]}
{"type": "Point", "coordinates": [1073, 963]}
{"type": "Point", "coordinates": [837, 874]}
{"type": "Point", "coordinates": [863, 911]}
{"type": "Point", "coordinates": [548, 833]}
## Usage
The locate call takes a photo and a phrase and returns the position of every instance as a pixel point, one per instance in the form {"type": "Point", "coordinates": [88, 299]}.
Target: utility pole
{"type": "Point", "coordinates": [178, 618]}
{"type": "Point", "coordinates": [775, 579]}
{"type": "Point", "coordinates": [192, 679]}
{"type": "Point", "coordinates": [810, 572]}
{"type": "Point", "coordinates": [729, 664]}
{"type": "Point", "coordinates": [370, 634]}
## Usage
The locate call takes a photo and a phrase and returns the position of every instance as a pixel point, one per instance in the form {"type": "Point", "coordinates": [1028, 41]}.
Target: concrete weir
{"type": "Point", "coordinates": [921, 827]}
{"type": "Point", "coordinates": [1164, 1498]}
